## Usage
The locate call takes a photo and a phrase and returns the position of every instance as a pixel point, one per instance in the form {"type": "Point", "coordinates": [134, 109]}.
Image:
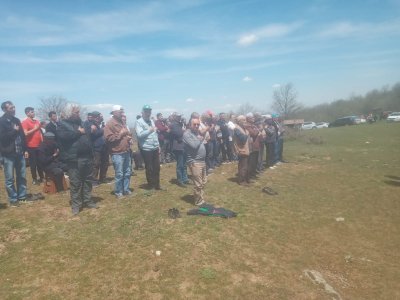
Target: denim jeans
{"type": "Point", "coordinates": [15, 162]}
{"type": "Point", "coordinates": [181, 167]}
{"type": "Point", "coordinates": [122, 169]}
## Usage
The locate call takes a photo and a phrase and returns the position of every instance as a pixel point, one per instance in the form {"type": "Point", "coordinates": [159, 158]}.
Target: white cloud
{"type": "Point", "coordinates": [349, 29]}
{"type": "Point", "coordinates": [189, 100]}
{"type": "Point", "coordinates": [247, 79]}
{"type": "Point", "coordinates": [276, 86]}
{"type": "Point", "coordinates": [155, 102]}
{"type": "Point", "coordinates": [99, 106]}
{"type": "Point", "coordinates": [269, 31]}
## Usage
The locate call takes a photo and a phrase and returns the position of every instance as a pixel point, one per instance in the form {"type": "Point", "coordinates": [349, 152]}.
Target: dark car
{"type": "Point", "coordinates": [350, 120]}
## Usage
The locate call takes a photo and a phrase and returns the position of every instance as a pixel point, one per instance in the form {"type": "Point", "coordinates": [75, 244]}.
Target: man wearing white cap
{"type": "Point", "coordinates": [118, 139]}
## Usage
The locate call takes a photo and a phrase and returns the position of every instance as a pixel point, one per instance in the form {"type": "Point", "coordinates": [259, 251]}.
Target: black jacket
{"type": "Point", "coordinates": [51, 127]}
{"type": "Point", "coordinates": [72, 143]}
{"type": "Point", "coordinates": [8, 135]}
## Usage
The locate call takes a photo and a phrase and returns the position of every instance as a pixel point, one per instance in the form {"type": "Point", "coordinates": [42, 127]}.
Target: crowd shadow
{"type": "Point", "coordinates": [188, 198]}
{"type": "Point", "coordinates": [394, 180]}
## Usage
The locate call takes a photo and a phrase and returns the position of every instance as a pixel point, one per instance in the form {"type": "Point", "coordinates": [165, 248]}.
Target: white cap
{"type": "Point", "coordinates": [116, 108]}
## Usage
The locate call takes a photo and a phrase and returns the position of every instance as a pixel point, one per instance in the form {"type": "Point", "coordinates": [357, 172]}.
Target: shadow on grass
{"type": "Point", "coordinates": [188, 198]}
{"type": "Point", "coordinates": [145, 186]}
{"type": "Point", "coordinates": [393, 177]}
{"type": "Point", "coordinates": [3, 205]}
{"type": "Point", "coordinates": [97, 199]}
{"type": "Point", "coordinates": [233, 179]}
{"type": "Point", "coordinates": [392, 182]}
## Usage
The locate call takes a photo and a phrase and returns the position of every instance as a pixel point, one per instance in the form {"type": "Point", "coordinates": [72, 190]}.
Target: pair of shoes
{"type": "Point", "coordinates": [128, 193]}
{"type": "Point", "coordinates": [174, 213]}
{"type": "Point", "coordinates": [14, 204]}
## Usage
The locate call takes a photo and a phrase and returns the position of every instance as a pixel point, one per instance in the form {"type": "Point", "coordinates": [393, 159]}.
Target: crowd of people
{"type": "Point", "coordinates": [82, 150]}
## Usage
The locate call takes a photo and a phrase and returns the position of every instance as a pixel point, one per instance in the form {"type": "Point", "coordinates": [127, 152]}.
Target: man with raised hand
{"type": "Point", "coordinates": [196, 159]}
{"type": "Point", "coordinates": [146, 133]}
{"type": "Point", "coordinates": [34, 138]}
{"type": "Point", "coordinates": [77, 153]}
{"type": "Point", "coordinates": [13, 149]}
{"type": "Point", "coordinates": [118, 137]}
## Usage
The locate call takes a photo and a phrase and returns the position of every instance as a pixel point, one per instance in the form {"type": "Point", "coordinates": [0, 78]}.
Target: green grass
{"type": "Point", "coordinates": [261, 254]}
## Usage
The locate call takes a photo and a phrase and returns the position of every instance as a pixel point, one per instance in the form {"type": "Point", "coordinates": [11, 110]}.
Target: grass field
{"type": "Point", "coordinates": [332, 232]}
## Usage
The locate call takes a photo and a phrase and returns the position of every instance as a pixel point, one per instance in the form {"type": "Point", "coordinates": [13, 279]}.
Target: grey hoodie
{"type": "Point", "coordinates": [194, 148]}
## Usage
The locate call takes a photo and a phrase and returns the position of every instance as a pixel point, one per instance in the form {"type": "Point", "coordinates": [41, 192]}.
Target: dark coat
{"type": "Point", "coordinates": [72, 143]}
{"type": "Point", "coordinates": [8, 135]}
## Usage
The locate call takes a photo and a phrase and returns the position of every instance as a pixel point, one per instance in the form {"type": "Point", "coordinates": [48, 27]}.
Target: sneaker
{"type": "Point", "coordinates": [119, 195]}
{"type": "Point", "coordinates": [272, 168]}
{"type": "Point", "coordinates": [128, 193]}
{"type": "Point", "coordinates": [75, 211]}
{"type": "Point", "coordinates": [181, 184]}
{"type": "Point", "coordinates": [14, 204]}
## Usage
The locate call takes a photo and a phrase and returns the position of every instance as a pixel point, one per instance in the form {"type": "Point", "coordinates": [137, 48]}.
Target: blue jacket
{"type": "Point", "coordinates": [148, 141]}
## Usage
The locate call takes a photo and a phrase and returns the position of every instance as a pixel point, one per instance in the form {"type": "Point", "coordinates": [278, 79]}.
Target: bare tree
{"type": "Point", "coordinates": [54, 103]}
{"type": "Point", "coordinates": [245, 108]}
{"type": "Point", "coordinates": [285, 100]}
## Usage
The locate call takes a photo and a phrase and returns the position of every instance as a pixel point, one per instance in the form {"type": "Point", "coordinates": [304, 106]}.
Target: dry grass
{"type": "Point", "coordinates": [262, 254]}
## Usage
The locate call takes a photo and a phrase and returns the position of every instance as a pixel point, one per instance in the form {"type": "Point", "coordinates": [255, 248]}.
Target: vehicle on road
{"type": "Point", "coordinates": [322, 125]}
{"type": "Point", "coordinates": [308, 125]}
{"type": "Point", "coordinates": [349, 120]}
{"type": "Point", "coordinates": [394, 117]}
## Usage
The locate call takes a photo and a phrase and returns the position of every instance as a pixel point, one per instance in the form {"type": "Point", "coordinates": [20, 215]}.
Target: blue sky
{"type": "Point", "coordinates": [193, 55]}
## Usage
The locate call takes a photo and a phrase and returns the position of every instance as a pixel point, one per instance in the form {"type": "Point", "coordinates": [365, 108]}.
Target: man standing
{"type": "Point", "coordinates": [163, 135]}
{"type": "Point", "coordinates": [52, 125]}
{"type": "Point", "coordinates": [146, 133]}
{"type": "Point", "coordinates": [241, 138]}
{"type": "Point", "coordinates": [13, 150]}
{"type": "Point", "coordinates": [176, 133]}
{"type": "Point", "coordinates": [76, 152]}
{"type": "Point", "coordinates": [100, 153]}
{"type": "Point", "coordinates": [196, 158]}
{"type": "Point", "coordinates": [254, 145]}
{"type": "Point", "coordinates": [34, 138]}
{"type": "Point", "coordinates": [118, 138]}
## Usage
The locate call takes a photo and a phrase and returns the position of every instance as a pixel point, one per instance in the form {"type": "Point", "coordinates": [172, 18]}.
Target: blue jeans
{"type": "Point", "coordinates": [15, 162]}
{"type": "Point", "coordinates": [122, 168]}
{"type": "Point", "coordinates": [181, 167]}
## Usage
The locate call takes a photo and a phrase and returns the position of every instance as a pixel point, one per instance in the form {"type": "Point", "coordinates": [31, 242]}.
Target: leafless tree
{"type": "Point", "coordinates": [53, 103]}
{"type": "Point", "coordinates": [285, 102]}
{"type": "Point", "coordinates": [245, 108]}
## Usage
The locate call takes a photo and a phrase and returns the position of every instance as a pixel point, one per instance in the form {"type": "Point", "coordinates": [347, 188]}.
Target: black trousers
{"type": "Point", "coordinates": [79, 173]}
{"type": "Point", "coordinates": [152, 165]}
{"type": "Point", "coordinates": [33, 163]}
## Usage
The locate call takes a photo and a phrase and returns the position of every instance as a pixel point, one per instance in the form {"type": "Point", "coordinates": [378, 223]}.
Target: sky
{"type": "Point", "coordinates": [195, 55]}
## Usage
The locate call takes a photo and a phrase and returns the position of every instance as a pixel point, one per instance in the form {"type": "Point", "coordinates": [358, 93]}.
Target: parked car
{"type": "Point", "coordinates": [322, 125]}
{"type": "Point", "coordinates": [308, 125]}
{"type": "Point", "coordinates": [350, 120]}
{"type": "Point", "coordinates": [394, 117]}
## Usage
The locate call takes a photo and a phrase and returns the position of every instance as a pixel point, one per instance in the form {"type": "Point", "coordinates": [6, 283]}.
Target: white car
{"type": "Point", "coordinates": [322, 125]}
{"type": "Point", "coordinates": [394, 117]}
{"type": "Point", "coordinates": [308, 125]}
